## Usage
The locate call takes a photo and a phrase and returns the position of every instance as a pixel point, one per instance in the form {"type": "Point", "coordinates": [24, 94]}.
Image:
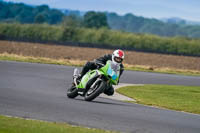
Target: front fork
{"type": "Point", "coordinates": [75, 81]}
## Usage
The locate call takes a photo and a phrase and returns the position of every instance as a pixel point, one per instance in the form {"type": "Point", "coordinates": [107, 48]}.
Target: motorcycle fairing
{"type": "Point", "coordinates": [87, 77]}
{"type": "Point", "coordinates": [109, 71]}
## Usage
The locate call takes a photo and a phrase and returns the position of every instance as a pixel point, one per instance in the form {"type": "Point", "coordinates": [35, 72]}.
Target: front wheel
{"type": "Point", "coordinates": [94, 92]}
{"type": "Point", "coordinates": [72, 92]}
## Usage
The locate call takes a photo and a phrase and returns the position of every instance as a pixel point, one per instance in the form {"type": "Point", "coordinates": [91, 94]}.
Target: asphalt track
{"type": "Point", "coordinates": [37, 91]}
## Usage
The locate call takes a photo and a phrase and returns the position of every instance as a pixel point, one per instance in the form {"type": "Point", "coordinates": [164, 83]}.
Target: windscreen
{"type": "Point", "coordinates": [115, 67]}
{"type": "Point", "coordinates": [113, 70]}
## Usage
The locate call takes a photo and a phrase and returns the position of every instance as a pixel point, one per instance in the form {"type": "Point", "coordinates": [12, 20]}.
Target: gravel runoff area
{"type": "Point", "coordinates": [118, 96]}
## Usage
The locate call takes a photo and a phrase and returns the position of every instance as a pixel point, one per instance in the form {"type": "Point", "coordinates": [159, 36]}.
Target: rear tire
{"type": "Point", "coordinates": [92, 93]}
{"type": "Point", "coordinates": [72, 92]}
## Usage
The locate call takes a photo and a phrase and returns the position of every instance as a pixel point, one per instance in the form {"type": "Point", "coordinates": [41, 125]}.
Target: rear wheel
{"type": "Point", "coordinates": [72, 92]}
{"type": "Point", "coordinates": [94, 92]}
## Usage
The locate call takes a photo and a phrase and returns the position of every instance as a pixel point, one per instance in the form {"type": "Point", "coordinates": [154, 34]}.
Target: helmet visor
{"type": "Point", "coordinates": [118, 59]}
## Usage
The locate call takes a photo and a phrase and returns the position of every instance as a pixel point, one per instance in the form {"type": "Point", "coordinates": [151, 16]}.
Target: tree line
{"type": "Point", "coordinates": [10, 12]}
{"type": "Point", "coordinates": [21, 13]}
{"type": "Point", "coordinates": [132, 23]}
{"type": "Point", "coordinates": [25, 14]}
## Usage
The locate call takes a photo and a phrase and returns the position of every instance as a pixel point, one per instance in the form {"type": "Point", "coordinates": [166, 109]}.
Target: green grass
{"type": "Point", "coordinates": [180, 98]}
{"type": "Point", "coordinates": [20, 58]}
{"type": "Point", "coordinates": [166, 71]}
{"type": "Point", "coordinates": [19, 125]}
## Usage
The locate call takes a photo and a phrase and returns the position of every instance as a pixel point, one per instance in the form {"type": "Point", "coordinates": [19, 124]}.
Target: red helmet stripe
{"type": "Point", "coordinates": [121, 54]}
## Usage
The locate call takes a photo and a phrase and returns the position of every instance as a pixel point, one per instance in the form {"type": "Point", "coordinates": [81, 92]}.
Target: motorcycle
{"type": "Point", "coordinates": [94, 82]}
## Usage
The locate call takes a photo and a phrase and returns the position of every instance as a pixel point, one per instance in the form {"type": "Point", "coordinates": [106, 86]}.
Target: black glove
{"type": "Point", "coordinates": [99, 65]}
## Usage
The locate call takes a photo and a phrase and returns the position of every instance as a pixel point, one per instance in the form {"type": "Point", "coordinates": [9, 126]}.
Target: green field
{"type": "Point", "coordinates": [181, 98]}
{"type": "Point", "coordinates": [20, 125]}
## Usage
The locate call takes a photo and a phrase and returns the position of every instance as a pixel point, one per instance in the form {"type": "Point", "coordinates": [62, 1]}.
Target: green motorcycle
{"type": "Point", "coordinates": [94, 82]}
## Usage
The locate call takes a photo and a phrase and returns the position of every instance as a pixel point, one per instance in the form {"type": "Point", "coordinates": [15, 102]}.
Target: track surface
{"type": "Point", "coordinates": [38, 91]}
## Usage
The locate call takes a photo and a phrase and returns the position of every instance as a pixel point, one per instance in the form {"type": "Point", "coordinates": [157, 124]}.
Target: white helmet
{"type": "Point", "coordinates": [118, 56]}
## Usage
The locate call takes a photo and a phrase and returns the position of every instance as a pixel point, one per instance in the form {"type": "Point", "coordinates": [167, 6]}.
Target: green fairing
{"type": "Point", "coordinates": [101, 71]}
{"type": "Point", "coordinates": [86, 78]}
{"type": "Point", "coordinates": [105, 69]}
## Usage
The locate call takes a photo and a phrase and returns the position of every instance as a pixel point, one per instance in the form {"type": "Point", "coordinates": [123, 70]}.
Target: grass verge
{"type": "Point", "coordinates": [21, 58]}
{"type": "Point", "coordinates": [142, 68]}
{"type": "Point", "coordinates": [180, 98]}
{"type": "Point", "coordinates": [20, 125]}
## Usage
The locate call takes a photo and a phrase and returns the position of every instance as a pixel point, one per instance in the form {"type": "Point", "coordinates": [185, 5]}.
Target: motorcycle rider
{"type": "Point", "coordinates": [117, 57]}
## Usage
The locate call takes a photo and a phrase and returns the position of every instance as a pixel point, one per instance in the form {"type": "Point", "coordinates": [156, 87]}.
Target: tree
{"type": "Point", "coordinates": [55, 16]}
{"type": "Point", "coordinates": [40, 18]}
{"type": "Point", "coordinates": [72, 21]}
{"type": "Point", "coordinates": [95, 20]}
{"type": "Point", "coordinates": [42, 8]}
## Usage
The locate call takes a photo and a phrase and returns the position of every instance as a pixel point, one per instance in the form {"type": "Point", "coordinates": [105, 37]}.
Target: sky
{"type": "Point", "coordinates": [185, 9]}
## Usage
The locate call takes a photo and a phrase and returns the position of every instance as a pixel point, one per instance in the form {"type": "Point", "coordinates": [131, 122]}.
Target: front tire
{"type": "Point", "coordinates": [92, 93]}
{"type": "Point", "coordinates": [72, 92]}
